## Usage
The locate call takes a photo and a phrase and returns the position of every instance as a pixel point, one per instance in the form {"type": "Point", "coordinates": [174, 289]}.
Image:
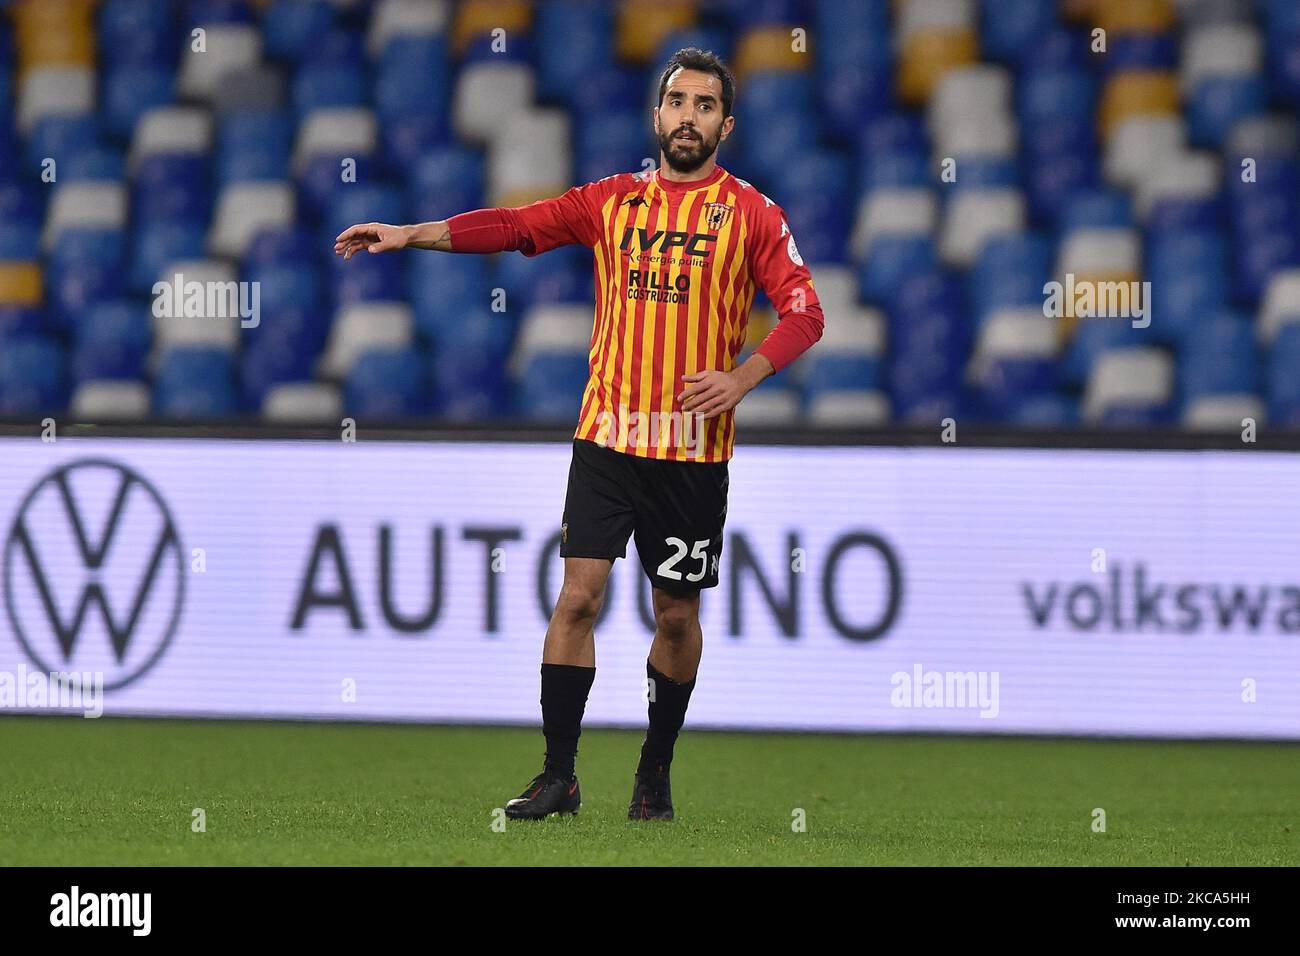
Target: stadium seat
{"type": "Point", "coordinates": [303, 403]}
{"type": "Point", "coordinates": [362, 328]}
{"type": "Point", "coordinates": [109, 401]}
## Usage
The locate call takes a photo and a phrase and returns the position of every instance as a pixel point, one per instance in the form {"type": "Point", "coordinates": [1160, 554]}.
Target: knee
{"type": "Point", "coordinates": [675, 620]}
{"type": "Point", "coordinates": [578, 606]}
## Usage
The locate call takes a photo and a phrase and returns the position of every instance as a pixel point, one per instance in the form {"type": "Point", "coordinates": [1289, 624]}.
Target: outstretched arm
{"type": "Point", "coordinates": [532, 229]}
{"type": "Point", "coordinates": [381, 237]}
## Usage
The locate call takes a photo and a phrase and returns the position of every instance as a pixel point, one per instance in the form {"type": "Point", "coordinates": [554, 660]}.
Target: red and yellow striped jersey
{"type": "Point", "coordinates": [677, 265]}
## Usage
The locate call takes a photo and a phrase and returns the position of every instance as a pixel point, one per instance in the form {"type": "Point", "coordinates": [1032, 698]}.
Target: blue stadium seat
{"type": "Point", "coordinates": [254, 146]}
{"type": "Point", "coordinates": [832, 371]}
{"type": "Point", "coordinates": [1009, 28]}
{"type": "Point", "coordinates": [550, 387]}
{"type": "Point", "coordinates": [292, 27]}
{"type": "Point", "coordinates": [199, 13]}
{"type": "Point", "coordinates": [195, 383]}
{"type": "Point", "coordinates": [1219, 359]}
{"type": "Point", "coordinates": [172, 187]}
{"type": "Point", "coordinates": [328, 86]}
{"type": "Point", "coordinates": [33, 376]}
{"type": "Point", "coordinates": [1282, 382]}
{"type": "Point", "coordinates": [112, 341]}
{"type": "Point", "coordinates": [61, 137]}
{"type": "Point", "coordinates": [562, 275]}
{"type": "Point", "coordinates": [139, 32]}
{"type": "Point", "coordinates": [1010, 271]}
{"type": "Point", "coordinates": [447, 181]}
{"type": "Point", "coordinates": [816, 191]}
{"type": "Point", "coordinates": [412, 77]}
{"type": "Point", "coordinates": [903, 169]}
{"type": "Point", "coordinates": [1217, 104]}
{"type": "Point", "coordinates": [387, 384]}
{"type": "Point", "coordinates": [444, 287]}
{"type": "Point", "coordinates": [573, 37]}
{"type": "Point", "coordinates": [889, 263]}
{"type": "Point", "coordinates": [612, 142]}
{"type": "Point", "coordinates": [130, 91]}
{"type": "Point", "coordinates": [86, 267]}
{"type": "Point", "coordinates": [158, 245]}
{"type": "Point", "coordinates": [1097, 209]}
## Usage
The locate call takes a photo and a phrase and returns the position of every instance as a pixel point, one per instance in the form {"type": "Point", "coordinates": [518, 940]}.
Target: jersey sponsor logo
{"type": "Point", "coordinates": [694, 243]}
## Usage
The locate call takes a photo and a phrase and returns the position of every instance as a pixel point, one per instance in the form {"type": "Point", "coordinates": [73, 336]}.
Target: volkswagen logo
{"type": "Point", "coordinates": [94, 572]}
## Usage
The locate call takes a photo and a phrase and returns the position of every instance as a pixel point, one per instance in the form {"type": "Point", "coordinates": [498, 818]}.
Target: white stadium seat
{"type": "Point", "coordinates": [995, 136]}
{"type": "Point", "coordinates": [1139, 143]}
{"type": "Point", "coordinates": [893, 212]}
{"type": "Point", "coordinates": [393, 18]}
{"type": "Point", "coordinates": [1184, 176]}
{"type": "Point", "coordinates": [359, 328]}
{"type": "Point", "coordinates": [849, 409]}
{"type": "Point", "coordinates": [110, 400]}
{"type": "Point", "coordinates": [770, 408]}
{"type": "Point", "coordinates": [530, 156]}
{"type": "Point", "coordinates": [1223, 413]}
{"type": "Point", "coordinates": [552, 328]}
{"type": "Point", "coordinates": [227, 48]}
{"type": "Point", "coordinates": [1013, 333]}
{"type": "Point", "coordinates": [305, 403]}
{"type": "Point", "coordinates": [1099, 251]}
{"type": "Point", "coordinates": [171, 129]}
{"type": "Point", "coordinates": [342, 131]}
{"type": "Point", "coordinates": [489, 95]}
{"type": "Point", "coordinates": [85, 205]}
{"type": "Point", "coordinates": [976, 215]}
{"type": "Point", "coordinates": [244, 209]}
{"type": "Point", "coordinates": [220, 331]}
{"type": "Point", "coordinates": [934, 15]}
{"type": "Point", "coordinates": [1223, 49]}
{"type": "Point", "coordinates": [972, 92]}
{"type": "Point", "coordinates": [54, 91]}
{"type": "Point", "coordinates": [1122, 378]}
{"type": "Point", "coordinates": [1281, 304]}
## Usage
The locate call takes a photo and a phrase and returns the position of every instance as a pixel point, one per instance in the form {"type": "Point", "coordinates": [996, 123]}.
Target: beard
{"type": "Point", "coordinates": [687, 157]}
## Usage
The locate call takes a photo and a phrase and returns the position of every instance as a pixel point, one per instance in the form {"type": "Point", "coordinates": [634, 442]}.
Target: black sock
{"type": "Point", "coordinates": [564, 698]}
{"type": "Point", "coordinates": [667, 713]}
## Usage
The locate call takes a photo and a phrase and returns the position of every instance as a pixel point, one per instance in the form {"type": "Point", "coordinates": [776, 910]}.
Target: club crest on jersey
{"type": "Point", "coordinates": [716, 215]}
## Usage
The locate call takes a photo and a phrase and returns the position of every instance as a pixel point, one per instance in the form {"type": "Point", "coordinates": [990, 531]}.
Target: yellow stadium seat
{"type": "Point", "coordinates": [1136, 93]}
{"type": "Point", "coordinates": [56, 48]}
{"type": "Point", "coordinates": [20, 283]}
{"type": "Point", "coordinates": [476, 18]}
{"type": "Point", "coordinates": [927, 56]}
{"type": "Point", "coordinates": [1135, 16]}
{"type": "Point", "coordinates": [770, 48]}
{"type": "Point", "coordinates": [1096, 280]}
{"type": "Point", "coordinates": [643, 25]}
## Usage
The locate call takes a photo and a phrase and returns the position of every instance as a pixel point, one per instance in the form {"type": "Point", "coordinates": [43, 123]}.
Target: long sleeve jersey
{"type": "Point", "coordinates": [676, 268]}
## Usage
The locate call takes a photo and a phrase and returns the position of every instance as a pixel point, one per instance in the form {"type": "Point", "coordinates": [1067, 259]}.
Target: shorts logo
{"type": "Point", "coordinates": [716, 215]}
{"type": "Point", "coordinates": [564, 533]}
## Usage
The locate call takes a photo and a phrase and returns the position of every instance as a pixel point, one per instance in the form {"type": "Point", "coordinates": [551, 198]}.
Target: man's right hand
{"type": "Point", "coordinates": [371, 236]}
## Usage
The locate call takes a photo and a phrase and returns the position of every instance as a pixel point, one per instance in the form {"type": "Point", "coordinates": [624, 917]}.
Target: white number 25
{"type": "Point", "coordinates": [698, 553]}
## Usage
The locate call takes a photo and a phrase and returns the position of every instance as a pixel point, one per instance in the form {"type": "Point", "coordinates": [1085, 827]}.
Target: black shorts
{"type": "Point", "coordinates": [676, 509]}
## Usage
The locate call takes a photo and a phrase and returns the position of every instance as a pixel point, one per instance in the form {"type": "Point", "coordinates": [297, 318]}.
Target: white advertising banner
{"type": "Point", "coordinates": [949, 589]}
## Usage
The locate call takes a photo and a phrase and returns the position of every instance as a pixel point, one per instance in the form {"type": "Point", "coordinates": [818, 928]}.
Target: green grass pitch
{"type": "Point", "coordinates": [123, 791]}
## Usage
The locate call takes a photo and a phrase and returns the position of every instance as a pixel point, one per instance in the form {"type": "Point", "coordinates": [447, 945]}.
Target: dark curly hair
{"type": "Point", "coordinates": [693, 58]}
